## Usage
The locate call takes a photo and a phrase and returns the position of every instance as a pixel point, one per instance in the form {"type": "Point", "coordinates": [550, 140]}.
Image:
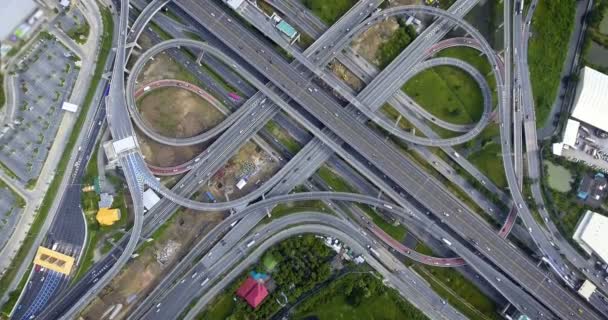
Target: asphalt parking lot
{"type": "Point", "coordinates": [45, 79]}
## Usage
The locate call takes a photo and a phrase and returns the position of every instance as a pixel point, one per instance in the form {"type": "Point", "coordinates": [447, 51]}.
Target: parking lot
{"type": "Point", "coordinates": [45, 77]}
{"type": "Point", "coordinates": [72, 22]}
{"type": "Point", "coordinates": [10, 210]}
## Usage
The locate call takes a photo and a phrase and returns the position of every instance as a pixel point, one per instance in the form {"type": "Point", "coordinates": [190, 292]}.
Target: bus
{"type": "Point", "coordinates": [234, 96]}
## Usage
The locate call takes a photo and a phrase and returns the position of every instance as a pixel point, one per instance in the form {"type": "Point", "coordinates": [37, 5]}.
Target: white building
{"type": "Point", "coordinates": [591, 101]}
{"type": "Point", "coordinates": [150, 199]}
{"type": "Point", "coordinates": [234, 4]}
{"type": "Point", "coordinates": [69, 107]}
{"type": "Point", "coordinates": [592, 234]}
{"type": "Point", "coordinates": [13, 13]}
{"type": "Point", "coordinates": [586, 289]}
{"type": "Point", "coordinates": [124, 144]}
{"type": "Point", "coordinates": [569, 139]}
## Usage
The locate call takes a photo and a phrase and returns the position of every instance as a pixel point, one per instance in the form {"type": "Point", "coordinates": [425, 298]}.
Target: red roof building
{"type": "Point", "coordinates": [253, 292]}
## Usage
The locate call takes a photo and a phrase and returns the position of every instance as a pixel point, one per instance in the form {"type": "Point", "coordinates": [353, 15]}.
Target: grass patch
{"type": "Point", "coordinates": [284, 209]}
{"type": "Point", "coordinates": [448, 93]}
{"type": "Point", "coordinates": [160, 32]}
{"type": "Point", "coordinates": [489, 161]}
{"type": "Point", "coordinates": [106, 46]}
{"type": "Point", "coordinates": [283, 137]}
{"type": "Point", "coordinates": [193, 36]}
{"type": "Point", "coordinates": [552, 25]}
{"type": "Point", "coordinates": [393, 114]}
{"type": "Point", "coordinates": [397, 232]}
{"type": "Point", "coordinates": [80, 34]}
{"type": "Point", "coordinates": [2, 94]}
{"type": "Point", "coordinates": [357, 296]}
{"type": "Point", "coordinates": [335, 182]}
{"type": "Point", "coordinates": [172, 15]}
{"type": "Point", "coordinates": [329, 11]}
{"type": "Point", "coordinates": [459, 292]}
{"type": "Point", "coordinates": [480, 62]}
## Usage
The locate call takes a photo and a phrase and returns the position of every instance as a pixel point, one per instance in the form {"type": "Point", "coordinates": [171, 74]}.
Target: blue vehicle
{"type": "Point", "coordinates": [107, 90]}
{"type": "Point", "coordinates": [210, 196]}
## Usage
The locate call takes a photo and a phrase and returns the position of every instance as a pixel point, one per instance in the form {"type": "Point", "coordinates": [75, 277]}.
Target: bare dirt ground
{"type": "Point", "coordinates": [369, 42]}
{"type": "Point", "coordinates": [143, 272]}
{"type": "Point", "coordinates": [343, 73]}
{"type": "Point", "coordinates": [251, 162]}
{"type": "Point", "coordinates": [161, 155]}
{"type": "Point", "coordinates": [164, 67]}
{"type": "Point", "coordinates": [176, 112]}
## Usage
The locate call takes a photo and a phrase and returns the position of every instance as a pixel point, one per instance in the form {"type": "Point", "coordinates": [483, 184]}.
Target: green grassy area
{"type": "Point", "coordinates": [193, 36]}
{"type": "Point", "coordinates": [329, 11]}
{"type": "Point", "coordinates": [393, 114]}
{"type": "Point", "coordinates": [160, 32]}
{"type": "Point", "coordinates": [357, 296]}
{"type": "Point", "coordinates": [489, 161]}
{"type": "Point", "coordinates": [480, 62]}
{"type": "Point", "coordinates": [397, 232]}
{"type": "Point", "coordinates": [80, 33]}
{"type": "Point", "coordinates": [448, 93]}
{"type": "Point", "coordinates": [552, 25]}
{"type": "Point", "coordinates": [459, 292]}
{"type": "Point", "coordinates": [106, 46]}
{"type": "Point", "coordinates": [2, 94]}
{"type": "Point", "coordinates": [398, 41]}
{"type": "Point", "coordinates": [332, 179]}
{"type": "Point", "coordinates": [284, 209]}
{"type": "Point", "coordinates": [172, 15]}
{"type": "Point", "coordinates": [283, 137]}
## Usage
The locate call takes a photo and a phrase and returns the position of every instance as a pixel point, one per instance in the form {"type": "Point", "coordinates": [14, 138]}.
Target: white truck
{"type": "Point", "coordinates": [252, 242]}
{"type": "Point", "coordinates": [146, 88]}
{"type": "Point", "coordinates": [446, 241]}
{"type": "Point", "coordinates": [374, 252]}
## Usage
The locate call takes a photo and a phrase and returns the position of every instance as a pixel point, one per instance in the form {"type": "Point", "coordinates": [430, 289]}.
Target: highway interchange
{"type": "Point", "coordinates": [420, 197]}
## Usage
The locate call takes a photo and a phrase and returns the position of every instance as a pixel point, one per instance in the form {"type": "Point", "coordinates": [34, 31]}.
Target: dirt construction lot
{"type": "Point", "coordinates": [161, 155]}
{"type": "Point", "coordinates": [252, 163]}
{"type": "Point", "coordinates": [176, 112]}
{"type": "Point", "coordinates": [143, 272]}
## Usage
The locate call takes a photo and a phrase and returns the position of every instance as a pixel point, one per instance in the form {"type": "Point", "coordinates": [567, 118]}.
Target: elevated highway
{"type": "Point", "coordinates": [352, 134]}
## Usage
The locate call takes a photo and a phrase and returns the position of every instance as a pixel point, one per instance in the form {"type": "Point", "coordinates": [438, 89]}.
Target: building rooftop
{"type": "Point", "coordinates": [54, 260]}
{"type": "Point", "coordinates": [592, 234]}
{"type": "Point", "coordinates": [234, 4]}
{"type": "Point", "coordinates": [150, 199]}
{"type": "Point", "coordinates": [591, 101]}
{"type": "Point", "coordinates": [252, 291]}
{"type": "Point", "coordinates": [107, 217]}
{"type": "Point", "coordinates": [587, 289]}
{"type": "Point", "coordinates": [287, 29]}
{"type": "Point", "coordinates": [571, 132]}
{"type": "Point", "coordinates": [12, 13]}
{"type": "Point", "coordinates": [105, 200]}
